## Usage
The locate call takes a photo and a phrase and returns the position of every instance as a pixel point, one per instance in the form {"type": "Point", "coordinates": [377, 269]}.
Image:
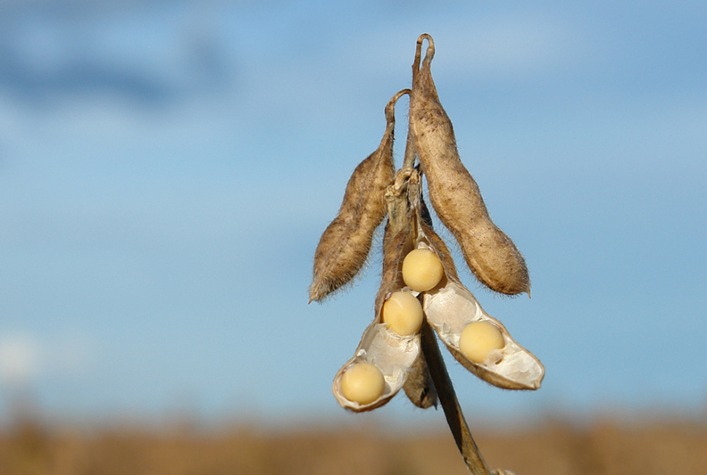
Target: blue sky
{"type": "Point", "coordinates": [167, 167]}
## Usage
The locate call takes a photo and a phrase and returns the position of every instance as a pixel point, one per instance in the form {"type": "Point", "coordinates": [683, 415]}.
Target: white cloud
{"type": "Point", "coordinates": [25, 358]}
{"type": "Point", "coordinates": [20, 357]}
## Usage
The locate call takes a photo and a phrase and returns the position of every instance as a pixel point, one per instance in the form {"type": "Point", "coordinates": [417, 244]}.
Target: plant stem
{"type": "Point", "coordinates": [409, 157]}
{"type": "Point", "coordinates": [448, 398]}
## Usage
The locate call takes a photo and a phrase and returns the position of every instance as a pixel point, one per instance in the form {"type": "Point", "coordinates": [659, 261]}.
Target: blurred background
{"type": "Point", "coordinates": [167, 168]}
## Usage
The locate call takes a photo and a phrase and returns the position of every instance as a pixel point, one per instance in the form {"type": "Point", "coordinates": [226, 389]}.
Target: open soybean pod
{"type": "Point", "coordinates": [378, 369]}
{"type": "Point", "coordinates": [346, 242]}
{"type": "Point", "coordinates": [384, 358]}
{"type": "Point", "coordinates": [478, 341]}
{"type": "Point", "coordinates": [455, 196]}
{"type": "Point", "coordinates": [388, 358]}
{"type": "Point", "coordinates": [454, 312]}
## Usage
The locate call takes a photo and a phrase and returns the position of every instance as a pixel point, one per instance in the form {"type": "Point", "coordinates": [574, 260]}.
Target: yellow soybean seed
{"type": "Point", "coordinates": [402, 313]}
{"type": "Point", "coordinates": [479, 339]}
{"type": "Point", "coordinates": [362, 383]}
{"type": "Point", "coordinates": [422, 270]}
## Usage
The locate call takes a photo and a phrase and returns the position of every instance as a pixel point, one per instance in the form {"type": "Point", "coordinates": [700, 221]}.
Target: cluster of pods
{"type": "Point", "coordinates": [419, 283]}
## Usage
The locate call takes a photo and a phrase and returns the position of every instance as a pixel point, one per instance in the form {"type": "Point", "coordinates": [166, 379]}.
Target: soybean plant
{"type": "Point", "coordinates": [420, 293]}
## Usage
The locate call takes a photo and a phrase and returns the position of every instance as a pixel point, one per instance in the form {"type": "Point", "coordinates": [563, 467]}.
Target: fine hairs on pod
{"type": "Point", "coordinates": [346, 242]}
{"type": "Point", "coordinates": [455, 196]}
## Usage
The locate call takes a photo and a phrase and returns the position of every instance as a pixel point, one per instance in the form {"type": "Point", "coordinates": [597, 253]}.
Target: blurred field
{"type": "Point", "coordinates": [602, 447]}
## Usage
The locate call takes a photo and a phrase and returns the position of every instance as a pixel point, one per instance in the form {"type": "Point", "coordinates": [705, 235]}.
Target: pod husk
{"type": "Point", "coordinates": [455, 196]}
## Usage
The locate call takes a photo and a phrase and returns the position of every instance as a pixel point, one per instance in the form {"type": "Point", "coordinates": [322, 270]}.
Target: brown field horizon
{"type": "Point", "coordinates": [601, 446]}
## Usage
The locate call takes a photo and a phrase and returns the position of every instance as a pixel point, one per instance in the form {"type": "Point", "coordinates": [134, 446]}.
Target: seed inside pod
{"type": "Point", "coordinates": [362, 383]}
{"type": "Point", "coordinates": [422, 270]}
{"type": "Point", "coordinates": [479, 339]}
{"type": "Point", "coordinates": [402, 313]}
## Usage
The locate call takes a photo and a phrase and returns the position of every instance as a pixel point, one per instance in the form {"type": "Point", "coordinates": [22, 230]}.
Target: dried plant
{"type": "Point", "coordinates": [420, 292]}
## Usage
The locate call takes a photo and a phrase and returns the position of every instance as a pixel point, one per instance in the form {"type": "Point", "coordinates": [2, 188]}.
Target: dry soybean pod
{"type": "Point", "coordinates": [395, 246]}
{"type": "Point", "coordinates": [419, 387]}
{"type": "Point", "coordinates": [455, 196]}
{"type": "Point", "coordinates": [346, 242]}
{"type": "Point", "coordinates": [397, 238]}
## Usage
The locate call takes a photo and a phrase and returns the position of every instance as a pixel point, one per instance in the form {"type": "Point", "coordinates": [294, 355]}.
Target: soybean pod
{"type": "Point", "coordinates": [346, 242]}
{"type": "Point", "coordinates": [455, 196]}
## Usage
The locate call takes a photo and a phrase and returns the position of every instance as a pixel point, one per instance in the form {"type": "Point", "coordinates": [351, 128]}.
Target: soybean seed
{"type": "Point", "coordinates": [402, 313]}
{"type": "Point", "coordinates": [479, 339]}
{"type": "Point", "coordinates": [422, 270]}
{"type": "Point", "coordinates": [362, 383]}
